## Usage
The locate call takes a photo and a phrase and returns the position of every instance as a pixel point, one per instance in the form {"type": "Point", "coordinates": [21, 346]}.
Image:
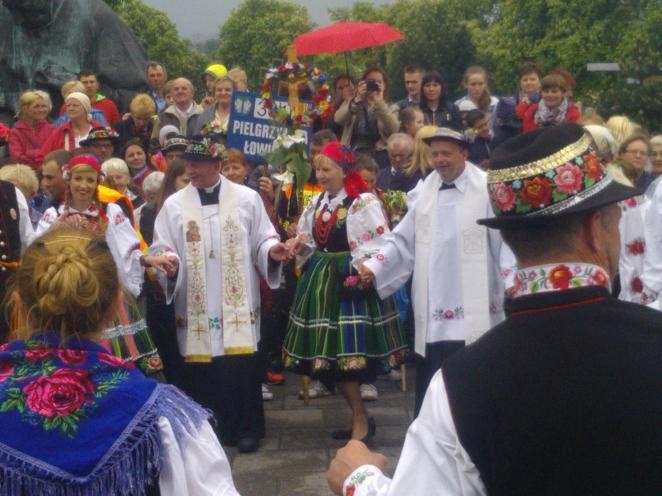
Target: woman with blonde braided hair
{"type": "Point", "coordinates": [127, 335]}
{"type": "Point", "coordinates": [76, 419]}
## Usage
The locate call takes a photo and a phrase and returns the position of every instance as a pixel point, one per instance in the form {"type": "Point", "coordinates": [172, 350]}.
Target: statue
{"type": "Point", "coordinates": [44, 43]}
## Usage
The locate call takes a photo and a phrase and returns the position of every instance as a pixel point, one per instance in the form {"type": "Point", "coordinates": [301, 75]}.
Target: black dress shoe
{"type": "Point", "coordinates": [247, 444]}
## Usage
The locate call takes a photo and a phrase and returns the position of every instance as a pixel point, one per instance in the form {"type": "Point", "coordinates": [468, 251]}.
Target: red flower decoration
{"type": "Point", "coordinates": [637, 247]}
{"type": "Point", "coordinates": [537, 192]}
{"type": "Point", "coordinates": [380, 229]}
{"type": "Point", "coordinates": [636, 285]}
{"type": "Point", "coordinates": [38, 353]}
{"type": "Point", "coordinates": [569, 178]}
{"type": "Point", "coordinates": [351, 489]}
{"type": "Point", "coordinates": [71, 356]}
{"type": "Point", "coordinates": [109, 359]}
{"type": "Point", "coordinates": [503, 196]}
{"type": "Point", "coordinates": [600, 278]}
{"type": "Point", "coordinates": [560, 277]}
{"type": "Point", "coordinates": [59, 394]}
{"type": "Point", "coordinates": [593, 166]}
{"type": "Point", "coordinates": [6, 369]}
{"type": "Point", "coordinates": [630, 202]}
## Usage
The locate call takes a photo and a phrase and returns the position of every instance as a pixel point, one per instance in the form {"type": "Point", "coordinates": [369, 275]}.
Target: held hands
{"type": "Point", "coordinates": [366, 275]}
{"type": "Point", "coordinates": [281, 252]}
{"type": "Point", "coordinates": [349, 458]}
{"type": "Point", "coordinates": [163, 263]}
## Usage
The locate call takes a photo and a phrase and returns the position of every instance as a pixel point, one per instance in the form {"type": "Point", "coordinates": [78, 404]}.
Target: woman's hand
{"type": "Point", "coordinates": [361, 92]}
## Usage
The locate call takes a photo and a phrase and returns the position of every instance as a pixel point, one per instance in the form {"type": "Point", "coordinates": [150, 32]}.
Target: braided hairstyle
{"type": "Point", "coordinates": [66, 284]}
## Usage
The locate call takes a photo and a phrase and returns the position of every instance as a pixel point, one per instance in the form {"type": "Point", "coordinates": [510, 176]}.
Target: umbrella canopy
{"type": "Point", "coordinates": [344, 37]}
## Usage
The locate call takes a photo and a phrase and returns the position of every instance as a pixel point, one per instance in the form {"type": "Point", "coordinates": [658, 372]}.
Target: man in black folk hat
{"type": "Point", "coordinates": [16, 234]}
{"type": "Point", "coordinates": [101, 142]}
{"type": "Point", "coordinates": [563, 397]}
{"type": "Point", "coordinates": [219, 235]}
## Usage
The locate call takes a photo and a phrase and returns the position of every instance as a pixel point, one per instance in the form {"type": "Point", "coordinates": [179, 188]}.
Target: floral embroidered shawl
{"type": "Point", "coordinates": [79, 421]}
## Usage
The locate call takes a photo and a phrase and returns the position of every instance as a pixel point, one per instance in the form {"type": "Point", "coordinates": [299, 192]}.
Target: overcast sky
{"type": "Point", "coordinates": [199, 20]}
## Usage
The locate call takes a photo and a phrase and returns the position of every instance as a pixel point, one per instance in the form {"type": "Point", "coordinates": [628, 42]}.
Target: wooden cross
{"type": "Point", "coordinates": [293, 82]}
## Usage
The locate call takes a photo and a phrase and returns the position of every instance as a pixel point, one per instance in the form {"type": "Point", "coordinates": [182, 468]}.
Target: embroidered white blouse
{"type": "Point", "coordinates": [366, 224]}
{"type": "Point", "coordinates": [633, 249]}
{"type": "Point", "coordinates": [121, 238]}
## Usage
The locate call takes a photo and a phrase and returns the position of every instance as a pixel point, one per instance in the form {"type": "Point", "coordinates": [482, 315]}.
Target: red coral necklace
{"type": "Point", "coordinates": [325, 222]}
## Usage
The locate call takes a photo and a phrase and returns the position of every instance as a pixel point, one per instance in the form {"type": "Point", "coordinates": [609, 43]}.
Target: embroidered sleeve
{"type": "Point", "coordinates": [366, 226]}
{"type": "Point", "coordinates": [305, 230]}
{"type": "Point", "coordinates": [367, 480]}
{"type": "Point", "coordinates": [125, 248]}
{"type": "Point", "coordinates": [46, 221]}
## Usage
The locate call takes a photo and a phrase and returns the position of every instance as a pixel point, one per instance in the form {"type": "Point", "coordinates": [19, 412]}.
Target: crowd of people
{"type": "Point", "coordinates": [139, 253]}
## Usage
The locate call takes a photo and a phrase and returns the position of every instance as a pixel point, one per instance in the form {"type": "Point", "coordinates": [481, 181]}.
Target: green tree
{"type": "Point", "coordinates": [257, 32]}
{"type": "Point", "coordinates": [159, 36]}
{"type": "Point", "coordinates": [435, 37]}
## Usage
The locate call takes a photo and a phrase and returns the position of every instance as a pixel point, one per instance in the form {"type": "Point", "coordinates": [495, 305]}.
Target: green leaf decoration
{"type": "Point", "coordinates": [522, 207]}
{"type": "Point", "coordinates": [588, 181]}
{"type": "Point", "coordinates": [559, 196]}
{"type": "Point", "coordinates": [301, 169]}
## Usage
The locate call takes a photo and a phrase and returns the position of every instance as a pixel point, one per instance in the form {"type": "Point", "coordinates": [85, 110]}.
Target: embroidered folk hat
{"type": "Point", "coordinates": [203, 150]}
{"type": "Point", "coordinates": [98, 134]}
{"type": "Point", "coordinates": [340, 154]}
{"type": "Point", "coordinates": [448, 134]}
{"type": "Point", "coordinates": [175, 143]}
{"type": "Point", "coordinates": [548, 173]}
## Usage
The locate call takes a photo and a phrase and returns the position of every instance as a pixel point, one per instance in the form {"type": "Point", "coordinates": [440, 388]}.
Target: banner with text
{"type": "Point", "coordinates": [250, 129]}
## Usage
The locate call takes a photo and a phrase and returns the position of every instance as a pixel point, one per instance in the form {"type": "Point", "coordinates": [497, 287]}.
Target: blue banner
{"type": "Point", "coordinates": [250, 129]}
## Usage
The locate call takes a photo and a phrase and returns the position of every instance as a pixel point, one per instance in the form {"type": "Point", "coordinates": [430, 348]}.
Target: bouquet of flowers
{"type": "Point", "coordinates": [289, 156]}
{"type": "Point", "coordinates": [395, 203]}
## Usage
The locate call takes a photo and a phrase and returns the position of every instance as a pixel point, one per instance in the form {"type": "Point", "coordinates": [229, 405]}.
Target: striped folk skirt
{"type": "Point", "coordinates": [338, 331]}
{"type": "Point", "coordinates": [127, 337]}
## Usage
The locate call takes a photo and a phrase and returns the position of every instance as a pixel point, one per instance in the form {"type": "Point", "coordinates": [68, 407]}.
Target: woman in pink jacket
{"type": "Point", "coordinates": [31, 130]}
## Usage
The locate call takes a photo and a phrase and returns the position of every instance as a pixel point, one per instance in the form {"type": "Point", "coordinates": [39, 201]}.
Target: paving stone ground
{"type": "Point", "coordinates": [293, 458]}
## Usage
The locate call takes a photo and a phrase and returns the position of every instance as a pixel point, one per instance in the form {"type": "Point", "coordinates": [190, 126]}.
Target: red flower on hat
{"type": "Point", "coordinates": [503, 196]}
{"type": "Point", "coordinates": [593, 166]}
{"type": "Point", "coordinates": [569, 178]}
{"type": "Point", "coordinates": [537, 192]}
{"type": "Point", "coordinates": [560, 277]}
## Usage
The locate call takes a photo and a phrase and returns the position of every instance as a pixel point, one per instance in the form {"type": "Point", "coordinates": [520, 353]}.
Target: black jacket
{"type": "Point", "coordinates": [564, 397]}
{"type": "Point", "coordinates": [446, 115]}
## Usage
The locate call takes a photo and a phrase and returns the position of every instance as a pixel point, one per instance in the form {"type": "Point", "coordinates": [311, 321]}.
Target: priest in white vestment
{"type": "Point", "coordinates": [458, 267]}
{"type": "Point", "coordinates": [220, 237]}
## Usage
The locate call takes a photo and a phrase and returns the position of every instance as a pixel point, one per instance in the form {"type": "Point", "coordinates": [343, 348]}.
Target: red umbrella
{"type": "Point", "coordinates": [344, 37]}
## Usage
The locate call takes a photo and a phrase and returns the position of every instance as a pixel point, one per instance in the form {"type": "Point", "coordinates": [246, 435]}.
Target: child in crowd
{"type": "Point", "coordinates": [479, 132]}
{"type": "Point", "coordinates": [553, 109]}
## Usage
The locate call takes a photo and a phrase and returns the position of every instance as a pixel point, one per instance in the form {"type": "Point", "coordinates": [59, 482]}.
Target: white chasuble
{"type": "Point", "coordinates": [221, 249]}
{"type": "Point", "coordinates": [458, 266]}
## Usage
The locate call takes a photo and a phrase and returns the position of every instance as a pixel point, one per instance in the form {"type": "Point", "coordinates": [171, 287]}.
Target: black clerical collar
{"type": "Point", "coordinates": [209, 196]}
{"type": "Point", "coordinates": [447, 186]}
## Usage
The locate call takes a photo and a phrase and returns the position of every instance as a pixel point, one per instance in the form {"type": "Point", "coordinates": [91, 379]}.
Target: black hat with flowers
{"type": "Point", "coordinates": [176, 142]}
{"type": "Point", "coordinates": [548, 173]}
{"type": "Point", "coordinates": [202, 150]}
{"type": "Point", "coordinates": [99, 134]}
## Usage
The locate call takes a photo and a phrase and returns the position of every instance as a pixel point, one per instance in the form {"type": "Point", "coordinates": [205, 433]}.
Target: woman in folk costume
{"type": "Point", "coordinates": [77, 420]}
{"type": "Point", "coordinates": [127, 336]}
{"type": "Point", "coordinates": [338, 328]}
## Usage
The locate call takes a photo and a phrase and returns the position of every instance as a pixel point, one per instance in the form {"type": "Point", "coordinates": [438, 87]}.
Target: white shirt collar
{"type": "Point", "coordinates": [184, 112]}
{"type": "Point", "coordinates": [461, 180]}
{"type": "Point", "coordinates": [211, 188]}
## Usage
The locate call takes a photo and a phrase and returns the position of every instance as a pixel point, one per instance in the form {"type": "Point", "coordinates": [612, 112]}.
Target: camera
{"type": "Point", "coordinates": [371, 85]}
